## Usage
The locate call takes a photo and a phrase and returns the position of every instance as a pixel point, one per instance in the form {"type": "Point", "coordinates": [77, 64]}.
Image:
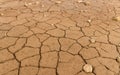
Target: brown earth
{"type": "Point", "coordinates": [59, 37]}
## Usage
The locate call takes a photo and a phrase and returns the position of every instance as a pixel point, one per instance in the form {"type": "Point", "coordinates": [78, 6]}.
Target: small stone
{"type": "Point", "coordinates": [37, 2]}
{"type": "Point", "coordinates": [26, 4]}
{"type": "Point", "coordinates": [88, 68]}
{"type": "Point", "coordinates": [1, 14]}
{"type": "Point", "coordinates": [118, 59]}
{"type": "Point", "coordinates": [89, 21]}
{"type": "Point", "coordinates": [58, 2]}
{"type": "Point", "coordinates": [79, 1]}
{"type": "Point", "coordinates": [119, 44]}
{"type": "Point", "coordinates": [42, 5]}
{"type": "Point", "coordinates": [52, 24]}
{"type": "Point", "coordinates": [83, 10]}
{"type": "Point", "coordinates": [92, 40]}
{"type": "Point", "coordinates": [45, 15]}
{"type": "Point", "coordinates": [86, 3]}
{"type": "Point", "coordinates": [116, 18]}
{"type": "Point", "coordinates": [29, 3]}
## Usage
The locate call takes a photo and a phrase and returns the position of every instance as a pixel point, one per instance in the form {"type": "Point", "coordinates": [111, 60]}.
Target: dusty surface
{"type": "Point", "coordinates": [59, 37]}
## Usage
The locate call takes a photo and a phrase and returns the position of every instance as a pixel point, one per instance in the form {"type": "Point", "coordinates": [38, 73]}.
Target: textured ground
{"type": "Point", "coordinates": [59, 37]}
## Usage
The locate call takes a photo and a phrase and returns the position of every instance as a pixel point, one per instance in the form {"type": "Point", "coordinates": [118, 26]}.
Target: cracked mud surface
{"type": "Point", "coordinates": [59, 37]}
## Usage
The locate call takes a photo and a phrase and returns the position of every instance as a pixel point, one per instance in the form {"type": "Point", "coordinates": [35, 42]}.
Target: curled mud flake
{"type": "Point", "coordinates": [117, 18]}
{"type": "Point", "coordinates": [88, 68]}
{"type": "Point", "coordinates": [118, 59]}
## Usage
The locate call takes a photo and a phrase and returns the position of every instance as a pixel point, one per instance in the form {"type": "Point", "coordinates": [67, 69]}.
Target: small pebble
{"type": "Point", "coordinates": [89, 21]}
{"type": "Point", "coordinates": [26, 4]}
{"type": "Point", "coordinates": [79, 1]}
{"type": "Point", "coordinates": [52, 24]}
{"type": "Point", "coordinates": [119, 44]}
{"type": "Point", "coordinates": [118, 59]}
{"type": "Point", "coordinates": [92, 40]}
{"type": "Point", "coordinates": [45, 15]}
{"type": "Point", "coordinates": [84, 2]}
{"type": "Point", "coordinates": [29, 3]}
{"type": "Point", "coordinates": [116, 18]}
{"type": "Point", "coordinates": [58, 2]}
{"type": "Point", "coordinates": [42, 5]}
{"type": "Point", "coordinates": [1, 14]}
{"type": "Point", "coordinates": [83, 11]}
{"type": "Point", "coordinates": [88, 68]}
{"type": "Point", "coordinates": [37, 2]}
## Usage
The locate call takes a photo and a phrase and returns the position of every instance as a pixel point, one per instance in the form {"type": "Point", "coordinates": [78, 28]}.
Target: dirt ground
{"type": "Point", "coordinates": [59, 37]}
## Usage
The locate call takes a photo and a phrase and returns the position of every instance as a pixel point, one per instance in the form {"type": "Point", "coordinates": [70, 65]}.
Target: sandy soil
{"type": "Point", "coordinates": [59, 37]}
